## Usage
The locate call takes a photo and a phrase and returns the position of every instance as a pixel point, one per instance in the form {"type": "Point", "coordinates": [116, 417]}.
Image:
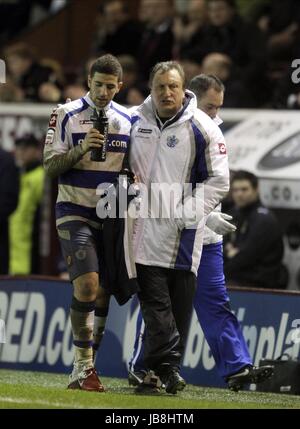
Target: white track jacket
{"type": "Point", "coordinates": [188, 148]}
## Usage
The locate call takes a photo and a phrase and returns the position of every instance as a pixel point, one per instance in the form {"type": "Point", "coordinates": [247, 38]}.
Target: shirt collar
{"type": "Point", "coordinates": [90, 102]}
{"type": "Point", "coordinates": [217, 120]}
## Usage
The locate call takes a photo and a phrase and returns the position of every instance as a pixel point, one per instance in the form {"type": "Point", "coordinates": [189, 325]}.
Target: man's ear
{"type": "Point", "coordinates": [120, 84]}
{"type": "Point", "coordinates": [89, 81]}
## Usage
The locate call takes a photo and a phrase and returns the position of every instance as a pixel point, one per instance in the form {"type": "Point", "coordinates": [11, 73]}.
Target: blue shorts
{"type": "Point", "coordinates": [80, 244]}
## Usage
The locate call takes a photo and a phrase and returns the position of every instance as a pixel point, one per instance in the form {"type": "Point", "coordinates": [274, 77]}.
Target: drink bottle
{"type": "Point", "coordinates": [100, 123]}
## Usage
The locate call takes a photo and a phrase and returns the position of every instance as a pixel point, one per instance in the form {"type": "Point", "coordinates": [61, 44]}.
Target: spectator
{"type": "Point", "coordinates": [281, 24]}
{"type": "Point", "coordinates": [26, 72]}
{"type": "Point", "coordinates": [189, 30]}
{"type": "Point", "coordinates": [157, 38]}
{"type": "Point", "coordinates": [190, 66]}
{"type": "Point", "coordinates": [9, 189]}
{"type": "Point", "coordinates": [49, 93]}
{"type": "Point", "coordinates": [73, 92]}
{"type": "Point", "coordinates": [229, 34]}
{"type": "Point", "coordinates": [133, 91]}
{"type": "Point", "coordinates": [24, 223]}
{"type": "Point", "coordinates": [253, 254]}
{"type": "Point", "coordinates": [221, 65]}
{"type": "Point", "coordinates": [117, 32]}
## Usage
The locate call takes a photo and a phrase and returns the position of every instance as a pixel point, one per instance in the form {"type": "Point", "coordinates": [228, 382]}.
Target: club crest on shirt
{"type": "Point", "coordinates": [222, 148]}
{"type": "Point", "coordinates": [172, 141]}
{"type": "Point", "coordinates": [86, 122]}
{"type": "Point", "coordinates": [116, 124]}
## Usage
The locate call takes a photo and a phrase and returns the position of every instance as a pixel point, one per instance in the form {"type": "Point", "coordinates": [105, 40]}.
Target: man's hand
{"type": "Point", "coordinates": [230, 251]}
{"type": "Point", "coordinates": [217, 222]}
{"type": "Point", "coordinates": [92, 139]}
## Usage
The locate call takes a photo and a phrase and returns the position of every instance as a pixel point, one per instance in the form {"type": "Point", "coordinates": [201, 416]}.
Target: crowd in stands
{"type": "Point", "coordinates": [251, 54]}
{"type": "Point", "coordinates": [252, 58]}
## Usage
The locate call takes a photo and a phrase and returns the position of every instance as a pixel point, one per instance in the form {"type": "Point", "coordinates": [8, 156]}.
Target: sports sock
{"type": "Point", "coordinates": [99, 327]}
{"type": "Point", "coordinates": [82, 320]}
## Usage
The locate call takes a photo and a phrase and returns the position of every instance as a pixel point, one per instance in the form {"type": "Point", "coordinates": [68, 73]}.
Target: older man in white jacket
{"type": "Point", "coordinates": [173, 143]}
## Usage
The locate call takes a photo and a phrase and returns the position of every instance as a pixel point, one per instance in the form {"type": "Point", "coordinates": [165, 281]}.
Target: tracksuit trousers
{"type": "Point", "coordinates": [220, 326]}
{"type": "Point", "coordinates": [166, 299]}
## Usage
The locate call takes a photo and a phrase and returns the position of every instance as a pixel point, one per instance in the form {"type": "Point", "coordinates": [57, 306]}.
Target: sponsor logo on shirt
{"type": "Point", "coordinates": [86, 122]}
{"type": "Point", "coordinates": [144, 131]}
{"type": "Point", "coordinates": [50, 136]}
{"type": "Point", "coordinates": [222, 148]}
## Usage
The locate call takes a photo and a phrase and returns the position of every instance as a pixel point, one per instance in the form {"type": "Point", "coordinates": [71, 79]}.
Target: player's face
{"type": "Point", "coordinates": [211, 102]}
{"type": "Point", "coordinates": [167, 93]}
{"type": "Point", "coordinates": [103, 88]}
{"type": "Point", "coordinates": [243, 193]}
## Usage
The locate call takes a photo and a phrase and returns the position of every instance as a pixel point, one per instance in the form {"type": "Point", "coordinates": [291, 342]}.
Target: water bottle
{"type": "Point", "coordinates": [100, 123]}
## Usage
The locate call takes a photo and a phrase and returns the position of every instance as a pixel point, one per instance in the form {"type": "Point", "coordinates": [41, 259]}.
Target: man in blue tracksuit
{"type": "Point", "coordinates": [220, 326]}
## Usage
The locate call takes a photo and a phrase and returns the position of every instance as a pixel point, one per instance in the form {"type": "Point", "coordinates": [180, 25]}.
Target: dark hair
{"type": "Point", "coordinates": [164, 67]}
{"type": "Point", "coordinates": [230, 3]}
{"type": "Point", "coordinates": [201, 83]}
{"type": "Point", "coordinates": [28, 140]}
{"type": "Point", "coordinates": [107, 64]}
{"type": "Point", "coordinates": [245, 175]}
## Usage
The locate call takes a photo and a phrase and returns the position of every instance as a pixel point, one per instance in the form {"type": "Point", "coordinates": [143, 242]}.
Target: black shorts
{"type": "Point", "coordinates": [80, 244]}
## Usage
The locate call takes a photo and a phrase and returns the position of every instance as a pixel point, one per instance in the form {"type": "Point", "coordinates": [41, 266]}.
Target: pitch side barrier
{"type": "Point", "coordinates": [36, 330]}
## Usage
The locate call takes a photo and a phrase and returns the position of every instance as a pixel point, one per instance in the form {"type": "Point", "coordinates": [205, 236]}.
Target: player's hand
{"type": "Point", "coordinates": [218, 222]}
{"type": "Point", "coordinates": [93, 139]}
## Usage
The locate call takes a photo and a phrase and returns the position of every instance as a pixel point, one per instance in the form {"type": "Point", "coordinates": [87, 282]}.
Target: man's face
{"type": "Point", "coordinates": [211, 102]}
{"type": "Point", "coordinates": [243, 193]}
{"type": "Point", "coordinates": [18, 66]}
{"type": "Point", "coordinates": [114, 14]}
{"type": "Point", "coordinates": [196, 10]}
{"type": "Point", "coordinates": [154, 12]}
{"type": "Point", "coordinates": [167, 93]}
{"type": "Point", "coordinates": [103, 88]}
{"type": "Point", "coordinates": [220, 13]}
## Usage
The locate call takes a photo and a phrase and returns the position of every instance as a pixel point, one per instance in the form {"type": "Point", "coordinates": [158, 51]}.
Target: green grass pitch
{"type": "Point", "coordinates": [40, 390]}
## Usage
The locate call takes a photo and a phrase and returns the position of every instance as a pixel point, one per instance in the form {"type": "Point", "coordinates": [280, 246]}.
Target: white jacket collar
{"type": "Point", "coordinates": [148, 110]}
{"type": "Point", "coordinates": [218, 120]}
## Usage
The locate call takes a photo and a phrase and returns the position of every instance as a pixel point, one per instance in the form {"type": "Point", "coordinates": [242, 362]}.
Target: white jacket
{"type": "Point", "coordinates": [189, 148]}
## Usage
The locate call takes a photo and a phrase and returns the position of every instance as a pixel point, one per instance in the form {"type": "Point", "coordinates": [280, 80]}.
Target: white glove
{"type": "Point", "coordinates": [217, 222]}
